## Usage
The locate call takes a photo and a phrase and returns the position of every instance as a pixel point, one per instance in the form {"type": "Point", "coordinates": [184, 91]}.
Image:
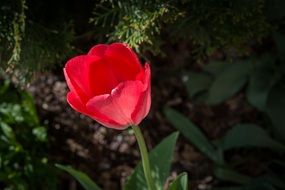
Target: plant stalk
{"type": "Point", "coordinates": [144, 157]}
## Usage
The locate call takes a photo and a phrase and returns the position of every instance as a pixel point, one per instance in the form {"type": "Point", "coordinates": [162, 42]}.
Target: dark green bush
{"type": "Point", "coordinates": [23, 143]}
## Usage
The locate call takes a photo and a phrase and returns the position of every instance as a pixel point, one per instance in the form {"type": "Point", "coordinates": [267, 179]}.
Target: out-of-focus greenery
{"type": "Point", "coordinates": [212, 24]}
{"type": "Point", "coordinates": [160, 170]}
{"type": "Point", "coordinates": [32, 40]}
{"type": "Point", "coordinates": [138, 23]}
{"type": "Point", "coordinates": [29, 43]}
{"type": "Point", "coordinates": [23, 143]}
{"type": "Point", "coordinates": [262, 78]}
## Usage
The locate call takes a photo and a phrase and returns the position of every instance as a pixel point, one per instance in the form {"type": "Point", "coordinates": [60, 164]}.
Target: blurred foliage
{"type": "Point", "coordinates": [23, 143]}
{"type": "Point", "coordinates": [262, 79]}
{"type": "Point", "coordinates": [27, 44]}
{"type": "Point", "coordinates": [34, 40]}
{"type": "Point", "coordinates": [137, 23]}
{"type": "Point", "coordinates": [146, 25]}
{"type": "Point", "coordinates": [160, 170]}
{"type": "Point", "coordinates": [223, 24]}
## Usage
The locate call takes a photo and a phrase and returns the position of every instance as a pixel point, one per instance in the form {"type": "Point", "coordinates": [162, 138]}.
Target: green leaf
{"type": "Point", "coordinates": [160, 162]}
{"type": "Point", "coordinates": [276, 108]}
{"type": "Point", "coordinates": [248, 136]}
{"type": "Point", "coordinates": [279, 39]}
{"type": "Point", "coordinates": [216, 67]}
{"type": "Point", "coordinates": [197, 82]}
{"type": "Point", "coordinates": [258, 89]}
{"type": "Point", "coordinates": [81, 177]}
{"type": "Point", "coordinates": [7, 131]}
{"type": "Point", "coordinates": [40, 133]}
{"type": "Point", "coordinates": [192, 134]}
{"type": "Point", "coordinates": [227, 174]}
{"type": "Point", "coordinates": [180, 183]}
{"type": "Point", "coordinates": [228, 82]}
{"type": "Point", "coordinates": [261, 81]}
{"type": "Point", "coordinates": [30, 108]}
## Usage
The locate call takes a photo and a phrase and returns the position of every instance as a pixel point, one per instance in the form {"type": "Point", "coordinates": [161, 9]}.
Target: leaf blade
{"type": "Point", "coordinates": [249, 135]}
{"type": "Point", "coordinates": [228, 82]}
{"type": "Point", "coordinates": [81, 177]}
{"type": "Point", "coordinates": [180, 183]}
{"type": "Point", "coordinates": [161, 166]}
{"type": "Point", "coordinates": [192, 133]}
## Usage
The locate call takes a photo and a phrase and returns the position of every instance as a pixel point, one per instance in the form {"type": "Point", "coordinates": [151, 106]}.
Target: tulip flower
{"type": "Point", "coordinates": [110, 85]}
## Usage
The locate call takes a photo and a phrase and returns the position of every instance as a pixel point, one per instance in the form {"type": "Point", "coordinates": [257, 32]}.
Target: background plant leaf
{"type": "Point", "coordinates": [228, 82]}
{"type": "Point", "coordinates": [81, 177]}
{"type": "Point", "coordinates": [197, 82]}
{"type": "Point", "coordinates": [160, 162]}
{"type": "Point", "coordinates": [227, 174]}
{"type": "Point", "coordinates": [180, 182]}
{"type": "Point", "coordinates": [249, 135]}
{"type": "Point", "coordinates": [276, 108]}
{"type": "Point", "coordinates": [216, 67]}
{"type": "Point", "coordinates": [192, 133]}
{"type": "Point", "coordinates": [261, 81]}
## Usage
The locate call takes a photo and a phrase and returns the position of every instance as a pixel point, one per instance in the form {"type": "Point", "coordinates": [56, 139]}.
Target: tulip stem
{"type": "Point", "coordinates": [144, 157]}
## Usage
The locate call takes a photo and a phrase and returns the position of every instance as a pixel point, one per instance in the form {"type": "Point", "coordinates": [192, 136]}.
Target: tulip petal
{"type": "Point", "coordinates": [102, 79]}
{"type": "Point", "coordinates": [90, 76]}
{"type": "Point", "coordinates": [98, 50]}
{"type": "Point", "coordinates": [77, 73]}
{"type": "Point", "coordinates": [143, 105]}
{"type": "Point", "coordinates": [75, 102]}
{"type": "Point", "coordinates": [120, 104]}
{"type": "Point", "coordinates": [123, 61]}
{"type": "Point", "coordinates": [144, 76]}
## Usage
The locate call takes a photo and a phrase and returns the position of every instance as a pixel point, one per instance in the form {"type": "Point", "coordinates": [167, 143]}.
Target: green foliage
{"type": "Point", "coordinates": [225, 173]}
{"type": "Point", "coordinates": [221, 80]}
{"type": "Point", "coordinates": [193, 134]}
{"type": "Point", "coordinates": [81, 177]}
{"type": "Point", "coordinates": [241, 136]}
{"type": "Point", "coordinates": [180, 183]}
{"type": "Point", "coordinates": [31, 42]}
{"type": "Point", "coordinates": [228, 82]}
{"type": "Point", "coordinates": [23, 159]}
{"type": "Point", "coordinates": [12, 29]}
{"type": "Point", "coordinates": [248, 136]}
{"type": "Point", "coordinates": [276, 108]}
{"type": "Point", "coordinates": [213, 24]}
{"type": "Point", "coordinates": [199, 83]}
{"type": "Point", "coordinates": [27, 46]}
{"type": "Point", "coordinates": [137, 23]}
{"type": "Point", "coordinates": [262, 78]}
{"type": "Point", "coordinates": [159, 165]}
{"type": "Point", "coordinates": [224, 24]}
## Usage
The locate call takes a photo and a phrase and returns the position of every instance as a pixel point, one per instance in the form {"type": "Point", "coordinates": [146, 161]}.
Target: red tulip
{"type": "Point", "coordinates": [109, 85]}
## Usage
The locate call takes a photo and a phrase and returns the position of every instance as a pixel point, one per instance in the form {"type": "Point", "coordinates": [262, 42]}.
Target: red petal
{"type": "Point", "coordinates": [75, 102]}
{"type": "Point", "coordinates": [77, 72]}
{"type": "Point", "coordinates": [102, 79]}
{"type": "Point", "coordinates": [120, 105]}
{"type": "Point", "coordinates": [98, 50]}
{"type": "Point", "coordinates": [144, 101]}
{"type": "Point", "coordinates": [123, 61]}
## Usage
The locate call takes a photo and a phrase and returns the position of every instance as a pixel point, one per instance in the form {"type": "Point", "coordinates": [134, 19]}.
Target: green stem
{"type": "Point", "coordinates": [144, 156]}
